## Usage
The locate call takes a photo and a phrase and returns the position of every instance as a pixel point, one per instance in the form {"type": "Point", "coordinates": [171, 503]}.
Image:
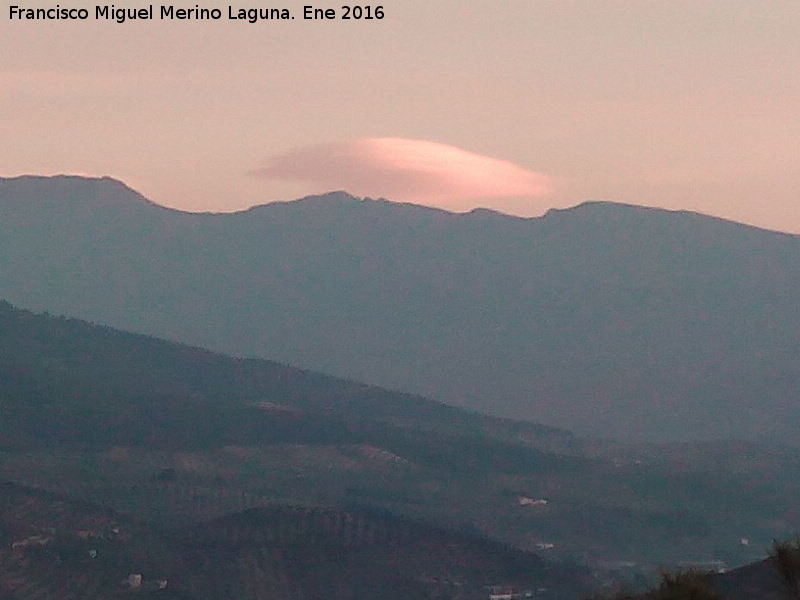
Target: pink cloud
{"type": "Point", "coordinates": [407, 170]}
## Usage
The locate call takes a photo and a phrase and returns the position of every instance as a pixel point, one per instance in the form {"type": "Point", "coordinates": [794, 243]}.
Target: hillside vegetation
{"type": "Point", "coordinates": [55, 549]}
{"type": "Point", "coordinates": [172, 435]}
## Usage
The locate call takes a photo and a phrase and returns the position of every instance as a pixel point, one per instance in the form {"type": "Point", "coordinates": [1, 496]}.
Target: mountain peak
{"type": "Point", "coordinates": [70, 190]}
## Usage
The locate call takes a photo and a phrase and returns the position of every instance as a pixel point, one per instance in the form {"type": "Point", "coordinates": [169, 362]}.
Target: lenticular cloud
{"type": "Point", "coordinates": [409, 171]}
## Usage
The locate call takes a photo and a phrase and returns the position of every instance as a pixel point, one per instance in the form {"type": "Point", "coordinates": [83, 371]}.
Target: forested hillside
{"type": "Point", "coordinates": [173, 435]}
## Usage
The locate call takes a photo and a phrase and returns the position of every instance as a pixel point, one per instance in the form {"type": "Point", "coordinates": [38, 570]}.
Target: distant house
{"type": "Point", "coordinates": [34, 540]}
{"type": "Point", "coordinates": [717, 566]}
{"type": "Point", "coordinates": [525, 501]}
{"type": "Point", "coordinates": [504, 592]}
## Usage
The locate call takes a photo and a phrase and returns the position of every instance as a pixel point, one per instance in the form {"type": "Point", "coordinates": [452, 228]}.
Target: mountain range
{"type": "Point", "coordinates": [609, 320]}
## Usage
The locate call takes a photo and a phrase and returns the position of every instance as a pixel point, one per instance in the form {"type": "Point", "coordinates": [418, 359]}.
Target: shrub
{"type": "Point", "coordinates": [785, 557]}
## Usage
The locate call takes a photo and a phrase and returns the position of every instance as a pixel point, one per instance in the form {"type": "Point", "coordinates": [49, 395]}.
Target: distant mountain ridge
{"type": "Point", "coordinates": [610, 320]}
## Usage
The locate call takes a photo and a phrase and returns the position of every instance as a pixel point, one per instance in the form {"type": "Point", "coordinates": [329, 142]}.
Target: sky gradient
{"type": "Point", "coordinates": [519, 105]}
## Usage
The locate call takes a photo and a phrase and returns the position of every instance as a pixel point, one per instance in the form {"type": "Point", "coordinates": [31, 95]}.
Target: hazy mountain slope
{"type": "Point", "coordinates": [67, 364]}
{"type": "Point", "coordinates": [607, 319]}
{"type": "Point", "coordinates": [172, 434]}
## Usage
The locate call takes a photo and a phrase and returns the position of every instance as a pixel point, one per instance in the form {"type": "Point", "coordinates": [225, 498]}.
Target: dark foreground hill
{"type": "Point", "coordinates": [762, 580]}
{"type": "Point", "coordinates": [207, 473]}
{"type": "Point", "coordinates": [54, 549]}
{"type": "Point", "coordinates": [172, 435]}
{"type": "Point", "coordinates": [759, 580]}
{"type": "Point", "coordinates": [606, 319]}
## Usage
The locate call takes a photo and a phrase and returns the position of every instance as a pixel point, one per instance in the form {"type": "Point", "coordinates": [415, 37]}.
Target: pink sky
{"type": "Point", "coordinates": [518, 105]}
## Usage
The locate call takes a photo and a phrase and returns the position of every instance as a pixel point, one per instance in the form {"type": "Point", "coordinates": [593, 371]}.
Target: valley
{"type": "Point", "coordinates": [170, 436]}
